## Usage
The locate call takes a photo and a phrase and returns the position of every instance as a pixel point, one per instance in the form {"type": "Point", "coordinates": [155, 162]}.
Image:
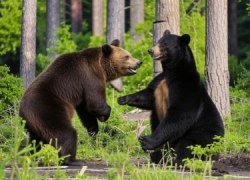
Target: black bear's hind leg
{"type": "Point", "coordinates": [181, 150]}
{"type": "Point", "coordinates": [156, 156]}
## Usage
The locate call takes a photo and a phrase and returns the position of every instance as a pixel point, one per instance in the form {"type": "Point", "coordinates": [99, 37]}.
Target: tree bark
{"type": "Point", "coordinates": [232, 28]}
{"type": "Point", "coordinates": [116, 29]}
{"type": "Point", "coordinates": [76, 16]}
{"type": "Point", "coordinates": [52, 23]}
{"type": "Point", "coordinates": [97, 17]}
{"type": "Point", "coordinates": [217, 76]}
{"type": "Point", "coordinates": [166, 17]}
{"type": "Point", "coordinates": [28, 42]}
{"type": "Point", "coordinates": [136, 17]}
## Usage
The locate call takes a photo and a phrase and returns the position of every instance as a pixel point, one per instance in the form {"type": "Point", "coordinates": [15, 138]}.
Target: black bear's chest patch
{"type": "Point", "coordinates": [161, 94]}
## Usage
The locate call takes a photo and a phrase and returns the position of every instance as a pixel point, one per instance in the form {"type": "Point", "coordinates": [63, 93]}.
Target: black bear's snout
{"type": "Point", "coordinates": [150, 51]}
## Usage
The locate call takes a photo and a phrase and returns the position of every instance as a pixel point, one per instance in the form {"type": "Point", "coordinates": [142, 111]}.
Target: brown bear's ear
{"type": "Point", "coordinates": [106, 49]}
{"type": "Point", "coordinates": [166, 32]}
{"type": "Point", "coordinates": [115, 42]}
{"type": "Point", "coordinates": [185, 39]}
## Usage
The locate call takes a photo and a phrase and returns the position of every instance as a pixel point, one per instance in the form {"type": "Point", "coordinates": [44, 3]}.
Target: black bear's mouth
{"type": "Point", "coordinates": [157, 57]}
{"type": "Point", "coordinates": [132, 70]}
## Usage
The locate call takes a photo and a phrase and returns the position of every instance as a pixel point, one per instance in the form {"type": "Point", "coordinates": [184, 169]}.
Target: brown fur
{"type": "Point", "coordinates": [161, 99]}
{"type": "Point", "coordinates": [73, 81]}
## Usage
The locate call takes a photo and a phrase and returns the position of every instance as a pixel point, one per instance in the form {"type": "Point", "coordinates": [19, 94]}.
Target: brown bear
{"type": "Point", "coordinates": [74, 81]}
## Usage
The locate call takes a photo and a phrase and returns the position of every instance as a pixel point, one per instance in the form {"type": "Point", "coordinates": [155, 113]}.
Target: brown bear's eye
{"type": "Point", "coordinates": [126, 57]}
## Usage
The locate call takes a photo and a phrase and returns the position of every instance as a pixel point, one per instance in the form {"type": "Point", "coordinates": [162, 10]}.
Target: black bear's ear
{"type": "Point", "coordinates": [166, 32]}
{"type": "Point", "coordinates": [106, 50]}
{"type": "Point", "coordinates": [115, 42]}
{"type": "Point", "coordinates": [185, 39]}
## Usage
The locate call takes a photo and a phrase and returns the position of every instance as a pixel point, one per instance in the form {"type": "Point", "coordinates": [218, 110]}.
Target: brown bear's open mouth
{"type": "Point", "coordinates": [132, 70]}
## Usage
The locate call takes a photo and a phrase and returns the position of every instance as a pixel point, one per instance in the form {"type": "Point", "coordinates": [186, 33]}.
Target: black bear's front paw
{"type": "Point", "coordinates": [122, 100]}
{"type": "Point", "coordinates": [147, 144]}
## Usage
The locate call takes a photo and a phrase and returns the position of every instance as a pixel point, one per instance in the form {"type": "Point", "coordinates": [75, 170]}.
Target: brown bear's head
{"type": "Point", "coordinates": [118, 62]}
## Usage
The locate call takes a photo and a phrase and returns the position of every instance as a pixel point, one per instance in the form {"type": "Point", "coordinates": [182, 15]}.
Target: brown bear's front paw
{"type": "Point", "coordinates": [93, 131]}
{"type": "Point", "coordinates": [147, 144]}
{"type": "Point", "coordinates": [122, 100]}
{"type": "Point", "coordinates": [103, 118]}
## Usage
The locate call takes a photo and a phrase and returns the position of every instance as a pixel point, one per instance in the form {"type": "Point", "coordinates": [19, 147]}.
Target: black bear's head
{"type": "Point", "coordinates": [170, 47]}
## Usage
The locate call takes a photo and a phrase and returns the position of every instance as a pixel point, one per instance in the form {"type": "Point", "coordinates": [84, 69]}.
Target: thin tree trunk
{"type": "Point", "coordinates": [76, 16]}
{"type": "Point", "coordinates": [65, 11]}
{"type": "Point", "coordinates": [136, 17]}
{"type": "Point", "coordinates": [52, 23]}
{"type": "Point", "coordinates": [166, 17]}
{"type": "Point", "coordinates": [97, 17]}
{"type": "Point", "coordinates": [28, 42]}
{"type": "Point", "coordinates": [232, 28]}
{"type": "Point", "coordinates": [217, 76]}
{"type": "Point", "coordinates": [116, 28]}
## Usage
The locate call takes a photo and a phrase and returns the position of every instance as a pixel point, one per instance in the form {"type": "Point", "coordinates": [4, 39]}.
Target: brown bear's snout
{"type": "Point", "coordinates": [132, 69]}
{"type": "Point", "coordinates": [139, 63]}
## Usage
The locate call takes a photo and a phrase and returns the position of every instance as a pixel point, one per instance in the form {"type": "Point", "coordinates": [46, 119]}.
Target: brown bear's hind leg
{"type": "Point", "coordinates": [67, 142]}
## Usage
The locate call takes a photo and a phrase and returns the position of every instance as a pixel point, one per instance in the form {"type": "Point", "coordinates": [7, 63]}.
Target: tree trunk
{"type": "Point", "coordinates": [232, 28]}
{"type": "Point", "coordinates": [28, 42]}
{"type": "Point", "coordinates": [217, 76]}
{"type": "Point", "coordinates": [76, 16]}
{"type": "Point", "coordinates": [97, 17]}
{"type": "Point", "coordinates": [166, 17]}
{"type": "Point", "coordinates": [116, 28]}
{"type": "Point", "coordinates": [136, 17]}
{"type": "Point", "coordinates": [52, 23]}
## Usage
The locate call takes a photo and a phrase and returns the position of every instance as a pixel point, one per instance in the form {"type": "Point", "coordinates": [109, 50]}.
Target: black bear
{"type": "Point", "coordinates": [183, 114]}
{"type": "Point", "coordinates": [74, 81]}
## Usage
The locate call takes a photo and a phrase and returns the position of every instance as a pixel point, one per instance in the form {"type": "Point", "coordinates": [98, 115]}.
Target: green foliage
{"type": "Point", "coordinates": [120, 161]}
{"type": "Point", "coordinates": [198, 166]}
{"type": "Point", "coordinates": [96, 41]}
{"type": "Point", "coordinates": [42, 62]}
{"type": "Point", "coordinates": [48, 156]}
{"type": "Point", "coordinates": [235, 70]}
{"type": "Point", "coordinates": [154, 172]}
{"type": "Point", "coordinates": [11, 90]}
{"type": "Point", "coordinates": [244, 82]}
{"type": "Point", "coordinates": [82, 39]}
{"type": "Point", "coordinates": [63, 44]}
{"type": "Point", "coordinates": [10, 25]}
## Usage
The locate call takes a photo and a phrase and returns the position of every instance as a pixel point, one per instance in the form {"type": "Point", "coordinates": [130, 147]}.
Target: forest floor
{"type": "Point", "coordinates": [233, 166]}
